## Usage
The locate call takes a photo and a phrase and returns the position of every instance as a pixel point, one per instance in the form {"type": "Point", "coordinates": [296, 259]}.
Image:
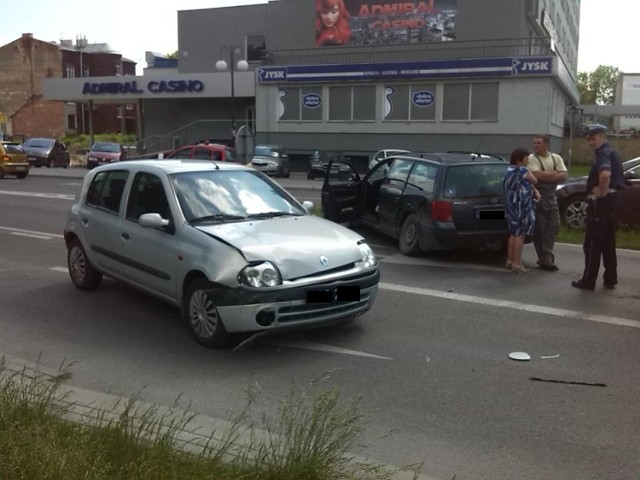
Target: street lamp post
{"type": "Point", "coordinates": [241, 65]}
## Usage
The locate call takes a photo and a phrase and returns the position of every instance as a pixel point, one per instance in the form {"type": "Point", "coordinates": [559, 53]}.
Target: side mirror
{"type": "Point", "coordinates": [152, 220]}
{"type": "Point", "coordinates": [308, 205]}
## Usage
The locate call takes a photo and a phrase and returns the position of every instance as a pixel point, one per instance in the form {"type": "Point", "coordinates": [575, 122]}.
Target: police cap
{"type": "Point", "coordinates": [593, 129]}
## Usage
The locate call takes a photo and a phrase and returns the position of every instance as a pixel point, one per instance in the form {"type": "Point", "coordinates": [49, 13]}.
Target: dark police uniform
{"type": "Point", "coordinates": [602, 219]}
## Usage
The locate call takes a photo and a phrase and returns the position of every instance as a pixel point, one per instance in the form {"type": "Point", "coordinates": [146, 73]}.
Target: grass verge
{"type": "Point", "coordinates": [628, 238]}
{"type": "Point", "coordinates": [310, 439]}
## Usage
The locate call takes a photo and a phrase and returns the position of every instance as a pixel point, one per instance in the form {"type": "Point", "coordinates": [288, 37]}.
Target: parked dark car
{"type": "Point", "coordinates": [319, 162]}
{"type": "Point", "coordinates": [47, 152]}
{"type": "Point", "coordinates": [272, 160]}
{"type": "Point", "coordinates": [572, 197]}
{"type": "Point", "coordinates": [104, 152]}
{"type": "Point", "coordinates": [430, 201]}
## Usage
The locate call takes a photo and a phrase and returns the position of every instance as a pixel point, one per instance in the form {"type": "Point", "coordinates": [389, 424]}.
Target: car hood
{"type": "Point", "coordinates": [104, 155]}
{"type": "Point", "coordinates": [264, 158]}
{"type": "Point", "coordinates": [293, 244]}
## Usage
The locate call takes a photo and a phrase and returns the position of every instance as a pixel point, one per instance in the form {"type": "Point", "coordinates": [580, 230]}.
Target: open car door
{"type": "Point", "coordinates": [341, 192]}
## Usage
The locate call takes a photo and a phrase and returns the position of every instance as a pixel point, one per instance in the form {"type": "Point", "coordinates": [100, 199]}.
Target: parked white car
{"type": "Point", "coordinates": [224, 242]}
{"type": "Point", "coordinates": [384, 154]}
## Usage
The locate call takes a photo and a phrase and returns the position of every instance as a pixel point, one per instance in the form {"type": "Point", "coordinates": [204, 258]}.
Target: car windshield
{"type": "Point", "coordinates": [215, 196]}
{"type": "Point", "coordinates": [39, 143]}
{"type": "Point", "coordinates": [265, 151]}
{"type": "Point", "coordinates": [13, 148]}
{"type": "Point", "coordinates": [477, 180]}
{"type": "Point", "coordinates": [106, 147]}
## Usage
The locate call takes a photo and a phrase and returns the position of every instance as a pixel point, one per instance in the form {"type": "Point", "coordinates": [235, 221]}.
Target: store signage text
{"type": "Point", "coordinates": [422, 99]}
{"type": "Point", "coordinates": [153, 86]}
{"type": "Point", "coordinates": [462, 68]}
{"type": "Point", "coordinates": [311, 100]}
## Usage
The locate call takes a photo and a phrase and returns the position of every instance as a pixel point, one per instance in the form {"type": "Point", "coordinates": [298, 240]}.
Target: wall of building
{"type": "Point", "coordinates": [40, 118]}
{"type": "Point", "coordinates": [25, 63]}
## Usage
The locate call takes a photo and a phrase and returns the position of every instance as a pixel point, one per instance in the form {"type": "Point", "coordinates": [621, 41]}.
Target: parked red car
{"type": "Point", "coordinates": [206, 151]}
{"type": "Point", "coordinates": [104, 152]}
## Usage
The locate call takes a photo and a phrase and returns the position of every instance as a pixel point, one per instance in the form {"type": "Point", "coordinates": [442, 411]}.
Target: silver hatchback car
{"type": "Point", "coordinates": [223, 242]}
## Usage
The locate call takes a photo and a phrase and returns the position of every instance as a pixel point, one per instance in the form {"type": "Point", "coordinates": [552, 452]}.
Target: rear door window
{"type": "Point", "coordinates": [399, 172]}
{"type": "Point", "coordinates": [478, 180]}
{"type": "Point", "coordinates": [423, 177]}
{"type": "Point", "coordinates": [184, 153]}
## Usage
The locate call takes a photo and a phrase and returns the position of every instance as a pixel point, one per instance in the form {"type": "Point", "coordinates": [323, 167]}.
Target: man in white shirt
{"type": "Point", "coordinates": [550, 170]}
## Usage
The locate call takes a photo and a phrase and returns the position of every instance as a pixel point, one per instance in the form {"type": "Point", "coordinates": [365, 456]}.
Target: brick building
{"type": "Point", "coordinates": [26, 62]}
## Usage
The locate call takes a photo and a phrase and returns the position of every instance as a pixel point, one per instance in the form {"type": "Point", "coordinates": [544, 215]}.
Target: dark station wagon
{"type": "Point", "coordinates": [429, 201]}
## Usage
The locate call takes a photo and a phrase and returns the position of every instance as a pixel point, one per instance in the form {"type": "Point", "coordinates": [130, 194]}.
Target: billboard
{"type": "Point", "coordinates": [371, 22]}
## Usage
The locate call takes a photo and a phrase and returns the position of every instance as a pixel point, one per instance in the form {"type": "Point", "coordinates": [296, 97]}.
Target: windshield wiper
{"type": "Point", "coordinates": [273, 214]}
{"type": "Point", "coordinates": [218, 217]}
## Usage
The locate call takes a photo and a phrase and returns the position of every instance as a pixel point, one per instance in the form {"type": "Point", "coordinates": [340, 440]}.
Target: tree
{"type": "Point", "coordinates": [172, 55]}
{"type": "Point", "coordinates": [599, 86]}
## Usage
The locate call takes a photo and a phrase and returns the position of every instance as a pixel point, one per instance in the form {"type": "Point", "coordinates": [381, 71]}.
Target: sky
{"type": "Point", "coordinates": [608, 30]}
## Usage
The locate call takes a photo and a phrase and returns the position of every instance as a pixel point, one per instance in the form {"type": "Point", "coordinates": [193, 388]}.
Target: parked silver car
{"type": "Point", "coordinates": [272, 160]}
{"type": "Point", "coordinates": [228, 245]}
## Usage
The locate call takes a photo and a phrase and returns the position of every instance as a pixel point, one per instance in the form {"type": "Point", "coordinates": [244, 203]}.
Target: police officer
{"type": "Point", "coordinates": [603, 186]}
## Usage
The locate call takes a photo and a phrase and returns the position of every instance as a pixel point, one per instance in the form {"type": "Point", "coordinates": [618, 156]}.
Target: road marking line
{"type": "Point", "coordinates": [558, 312]}
{"type": "Point", "coordinates": [58, 196]}
{"type": "Point", "coordinates": [320, 347]}
{"type": "Point", "coordinates": [31, 235]}
{"type": "Point", "coordinates": [20, 230]}
{"type": "Point", "coordinates": [60, 269]}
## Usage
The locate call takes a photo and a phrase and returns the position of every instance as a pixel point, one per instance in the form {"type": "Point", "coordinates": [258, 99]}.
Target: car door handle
{"type": "Point", "coordinates": [125, 236]}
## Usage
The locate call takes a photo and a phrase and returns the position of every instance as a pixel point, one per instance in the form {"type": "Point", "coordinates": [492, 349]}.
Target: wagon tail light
{"type": "Point", "coordinates": [5, 158]}
{"type": "Point", "coordinates": [442, 211]}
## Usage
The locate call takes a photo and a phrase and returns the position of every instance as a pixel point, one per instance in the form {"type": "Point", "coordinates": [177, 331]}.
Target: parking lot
{"type": "Point", "coordinates": [430, 360]}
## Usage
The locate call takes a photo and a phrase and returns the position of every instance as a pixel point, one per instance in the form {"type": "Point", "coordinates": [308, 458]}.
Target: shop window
{"type": "Point", "coordinates": [409, 102]}
{"type": "Point", "coordinates": [71, 122]}
{"type": "Point", "coordinates": [352, 103]}
{"type": "Point", "coordinates": [256, 48]}
{"type": "Point", "coordinates": [288, 104]}
{"type": "Point", "coordinates": [311, 104]}
{"type": "Point", "coordinates": [470, 102]}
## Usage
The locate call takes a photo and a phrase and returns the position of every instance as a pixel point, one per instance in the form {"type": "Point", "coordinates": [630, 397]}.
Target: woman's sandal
{"type": "Point", "coordinates": [519, 269]}
{"type": "Point", "coordinates": [508, 265]}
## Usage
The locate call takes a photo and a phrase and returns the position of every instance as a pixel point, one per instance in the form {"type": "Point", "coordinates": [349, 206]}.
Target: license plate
{"type": "Point", "coordinates": [491, 215]}
{"type": "Point", "coordinates": [31, 158]}
{"type": "Point", "coordinates": [20, 169]}
{"type": "Point", "coordinates": [330, 295]}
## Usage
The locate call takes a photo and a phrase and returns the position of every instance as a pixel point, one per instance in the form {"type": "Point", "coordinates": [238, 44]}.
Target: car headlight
{"type": "Point", "coordinates": [91, 158]}
{"type": "Point", "coordinates": [273, 164]}
{"type": "Point", "coordinates": [263, 274]}
{"type": "Point", "coordinates": [367, 257]}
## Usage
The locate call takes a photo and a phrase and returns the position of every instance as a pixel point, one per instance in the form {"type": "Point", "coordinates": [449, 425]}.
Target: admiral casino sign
{"type": "Point", "coordinates": [371, 22]}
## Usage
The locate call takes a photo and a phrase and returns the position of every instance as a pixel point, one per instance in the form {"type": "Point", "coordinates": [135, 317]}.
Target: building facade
{"type": "Point", "coordinates": [627, 94]}
{"type": "Point", "coordinates": [476, 75]}
{"type": "Point", "coordinates": [25, 65]}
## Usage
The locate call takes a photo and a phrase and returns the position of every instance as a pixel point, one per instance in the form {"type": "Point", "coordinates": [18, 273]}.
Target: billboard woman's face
{"type": "Point", "coordinates": [330, 17]}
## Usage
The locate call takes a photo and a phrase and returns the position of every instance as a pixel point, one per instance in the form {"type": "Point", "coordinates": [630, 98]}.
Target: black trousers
{"type": "Point", "coordinates": [600, 240]}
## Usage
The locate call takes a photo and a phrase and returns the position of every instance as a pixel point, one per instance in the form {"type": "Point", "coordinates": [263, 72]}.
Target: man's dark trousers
{"type": "Point", "coordinates": [600, 240]}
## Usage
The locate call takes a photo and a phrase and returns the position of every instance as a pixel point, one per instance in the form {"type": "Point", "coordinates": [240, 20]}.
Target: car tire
{"type": "Point", "coordinates": [287, 172]}
{"type": "Point", "coordinates": [201, 314]}
{"type": "Point", "coordinates": [51, 163]}
{"type": "Point", "coordinates": [573, 212]}
{"type": "Point", "coordinates": [19, 175]}
{"type": "Point", "coordinates": [1, 174]}
{"type": "Point", "coordinates": [66, 164]}
{"type": "Point", "coordinates": [83, 274]}
{"type": "Point", "coordinates": [409, 238]}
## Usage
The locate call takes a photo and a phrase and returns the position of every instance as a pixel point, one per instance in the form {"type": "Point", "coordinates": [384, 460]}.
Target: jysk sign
{"type": "Point", "coordinates": [153, 86]}
{"type": "Point", "coordinates": [466, 68]}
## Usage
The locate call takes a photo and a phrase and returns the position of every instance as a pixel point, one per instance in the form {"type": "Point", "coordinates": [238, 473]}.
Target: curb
{"type": "Point", "coordinates": [87, 406]}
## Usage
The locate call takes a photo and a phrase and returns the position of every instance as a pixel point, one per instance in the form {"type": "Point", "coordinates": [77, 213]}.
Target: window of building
{"type": "Point", "coordinates": [352, 103]}
{"type": "Point", "coordinates": [409, 102]}
{"type": "Point", "coordinates": [300, 104]}
{"type": "Point", "coordinates": [85, 71]}
{"type": "Point", "coordinates": [129, 106]}
{"type": "Point", "coordinates": [70, 71]}
{"type": "Point", "coordinates": [118, 69]}
{"type": "Point", "coordinates": [119, 111]}
{"type": "Point", "coordinates": [71, 122]}
{"type": "Point", "coordinates": [470, 102]}
{"type": "Point", "coordinates": [256, 48]}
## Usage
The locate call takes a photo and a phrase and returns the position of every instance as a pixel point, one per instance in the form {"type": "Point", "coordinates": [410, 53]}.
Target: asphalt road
{"type": "Point", "coordinates": [430, 360]}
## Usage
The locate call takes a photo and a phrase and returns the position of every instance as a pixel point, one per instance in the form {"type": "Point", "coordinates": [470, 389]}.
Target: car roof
{"type": "Point", "coordinates": [211, 145]}
{"type": "Point", "coordinates": [454, 158]}
{"type": "Point", "coordinates": [171, 166]}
